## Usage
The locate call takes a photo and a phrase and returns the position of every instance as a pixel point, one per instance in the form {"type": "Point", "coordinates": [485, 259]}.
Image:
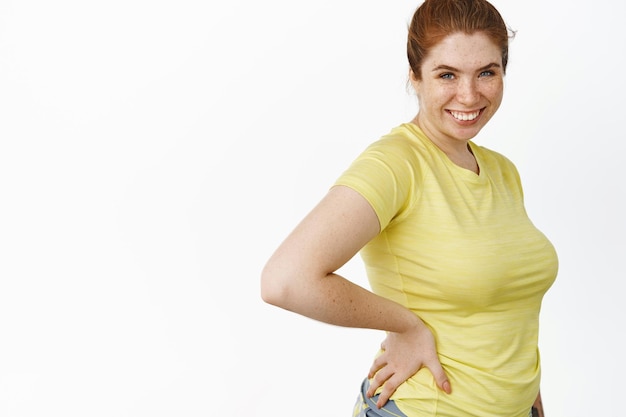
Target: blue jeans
{"type": "Point", "coordinates": [366, 407]}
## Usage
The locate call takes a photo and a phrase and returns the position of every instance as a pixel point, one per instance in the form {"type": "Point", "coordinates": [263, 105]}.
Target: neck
{"type": "Point", "coordinates": [458, 151]}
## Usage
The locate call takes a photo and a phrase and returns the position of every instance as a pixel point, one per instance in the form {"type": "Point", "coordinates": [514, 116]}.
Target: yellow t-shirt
{"type": "Point", "coordinates": [459, 250]}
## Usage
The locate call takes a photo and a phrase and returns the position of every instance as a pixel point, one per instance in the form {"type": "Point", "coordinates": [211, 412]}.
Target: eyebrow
{"type": "Point", "coordinates": [449, 68]}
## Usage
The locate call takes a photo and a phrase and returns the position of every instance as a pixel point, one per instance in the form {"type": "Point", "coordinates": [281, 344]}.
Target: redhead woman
{"type": "Point", "coordinates": [457, 269]}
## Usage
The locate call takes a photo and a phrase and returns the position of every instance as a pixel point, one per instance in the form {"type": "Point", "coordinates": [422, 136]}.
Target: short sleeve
{"type": "Point", "coordinates": [384, 175]}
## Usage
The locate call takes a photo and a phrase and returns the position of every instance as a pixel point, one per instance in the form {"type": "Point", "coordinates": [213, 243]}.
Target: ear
{"type": "Point", "coordinates": [414, 81]}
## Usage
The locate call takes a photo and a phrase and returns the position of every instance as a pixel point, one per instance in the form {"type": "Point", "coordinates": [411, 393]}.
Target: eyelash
{"type": "Point", "coordinates": [449, 75]}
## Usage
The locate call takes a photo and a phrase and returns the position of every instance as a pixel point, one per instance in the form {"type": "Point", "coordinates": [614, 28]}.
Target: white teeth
{"type": "Point", "coordinates": [465, 116]}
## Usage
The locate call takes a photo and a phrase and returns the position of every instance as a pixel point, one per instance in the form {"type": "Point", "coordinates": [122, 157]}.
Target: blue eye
{"type": "Point", "coordinates": [487, 73]}
{"type": "Point", "coordinates": [447, 76]}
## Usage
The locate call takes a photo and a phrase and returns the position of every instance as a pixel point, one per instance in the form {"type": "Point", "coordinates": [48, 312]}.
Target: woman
{"type": "Point", "coordinates": [457, 269]}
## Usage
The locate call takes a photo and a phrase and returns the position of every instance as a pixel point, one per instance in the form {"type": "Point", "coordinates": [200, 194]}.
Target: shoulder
{"type": "Point", "coordinates": [498, 165]}
{"type": "Point", "coordinates": [403, 138]}
{"type": "Point", "coordinates": [386, 173]}
{"type": "Point", "coordinates": [494, 157]}
{"type": "Point", "coordinates": [389, 158]}
{"type": "Point", "coordinates": [401, 147]}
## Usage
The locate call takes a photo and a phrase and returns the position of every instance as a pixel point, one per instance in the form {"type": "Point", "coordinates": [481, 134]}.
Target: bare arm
{"type": "Point", "coordinates": [300, 277]}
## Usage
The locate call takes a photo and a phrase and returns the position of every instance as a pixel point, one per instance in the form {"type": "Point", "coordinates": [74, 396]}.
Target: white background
{"type": "Point", "coordinates": [154, 153]}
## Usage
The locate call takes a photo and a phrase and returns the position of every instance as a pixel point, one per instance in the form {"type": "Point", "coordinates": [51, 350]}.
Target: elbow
{"type": "Point", "coordinates": [274, 290]}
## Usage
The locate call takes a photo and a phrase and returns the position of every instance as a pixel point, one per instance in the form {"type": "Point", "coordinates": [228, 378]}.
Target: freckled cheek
{"type": "Point", "coordinates": [493, 92]}
{"type": "Point", "coordinates": [436, 97]}
{"type": "Point", "coordinates": [443, 94]}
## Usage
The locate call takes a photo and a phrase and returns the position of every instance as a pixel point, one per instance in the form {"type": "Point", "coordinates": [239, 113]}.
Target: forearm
{"type": "Point", "coordinates": [335, 300]}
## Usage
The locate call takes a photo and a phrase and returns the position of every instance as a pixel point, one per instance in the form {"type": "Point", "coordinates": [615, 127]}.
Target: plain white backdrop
{"type": "Point", "coordinates": [154, 154]}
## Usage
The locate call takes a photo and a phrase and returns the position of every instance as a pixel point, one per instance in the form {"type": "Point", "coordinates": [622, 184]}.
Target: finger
{"type": "Point", "coordinates": [440, 376]}
{"type": "Point", "coordinates": [389, 388]}
{"type": "Point", "coordinates": [378, 363]}
{"type": "Point", "coordinates": [381, 378]}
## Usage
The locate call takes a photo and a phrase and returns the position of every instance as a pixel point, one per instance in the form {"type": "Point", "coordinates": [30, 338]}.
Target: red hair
{"type": "Point", "coordinates": [436, 19]}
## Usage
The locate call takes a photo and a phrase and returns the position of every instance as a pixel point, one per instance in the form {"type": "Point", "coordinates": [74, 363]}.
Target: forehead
{"type": "Point", "coordinates": [463, 51]}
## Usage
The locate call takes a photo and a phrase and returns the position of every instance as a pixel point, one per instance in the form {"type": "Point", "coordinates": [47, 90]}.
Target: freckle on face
{"type": "Point", "coordinates": [464, 57]}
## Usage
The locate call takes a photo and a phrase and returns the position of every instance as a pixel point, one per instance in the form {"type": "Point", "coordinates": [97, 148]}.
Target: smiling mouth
{"type": "Point", "coordinates": [465, 116]}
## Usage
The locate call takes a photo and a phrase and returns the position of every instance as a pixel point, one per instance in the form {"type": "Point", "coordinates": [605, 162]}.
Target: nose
{"type": "Point", "coordinates": [467, 91]}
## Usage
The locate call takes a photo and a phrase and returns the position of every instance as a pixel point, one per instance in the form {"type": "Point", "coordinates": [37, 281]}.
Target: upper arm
{"type": "Point", "coordinates": [328, 237]}
{"type": "Point", "coordinates": [336, 229]}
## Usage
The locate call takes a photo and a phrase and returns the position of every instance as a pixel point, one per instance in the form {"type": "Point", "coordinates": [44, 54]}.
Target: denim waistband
{"type": "Point", "coordinates": [366, 407]}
